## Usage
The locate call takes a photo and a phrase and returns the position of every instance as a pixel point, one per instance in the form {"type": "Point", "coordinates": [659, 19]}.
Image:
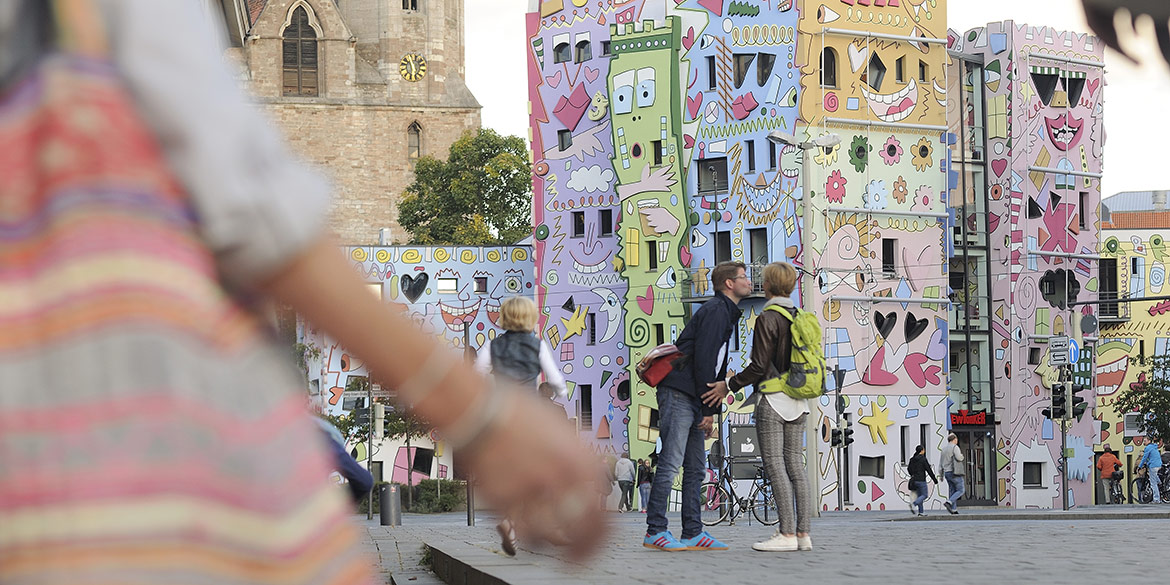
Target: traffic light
{"type": "Point", "coordinates": [847, 434]}
{"type": "Point", "coordinates": [835, 440]}
{"type": "Point", "coordinates": [1079, 405]}
{"type": "Point", "coordinates": [1057, 410]}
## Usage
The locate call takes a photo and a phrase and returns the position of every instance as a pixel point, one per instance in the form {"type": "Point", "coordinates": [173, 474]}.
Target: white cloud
{"type": "Point", "coordinates": [590, 179]}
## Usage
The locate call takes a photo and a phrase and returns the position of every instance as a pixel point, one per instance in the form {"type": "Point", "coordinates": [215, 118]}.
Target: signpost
{"type": "Point", "coordinates": [1058, 350]}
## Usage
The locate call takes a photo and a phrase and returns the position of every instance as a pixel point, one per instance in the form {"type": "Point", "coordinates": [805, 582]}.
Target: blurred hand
{"type": "Point", "coordinates": [532, 467]}
{"type": "Point", "coordinates": [707, 425]}
{"type": "Point", "coordinates": [716, 394]}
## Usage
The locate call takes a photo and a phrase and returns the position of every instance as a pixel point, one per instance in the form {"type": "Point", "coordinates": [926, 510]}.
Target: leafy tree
{"type": "Point", "coordinates": [401, 424]}
{"type": "Point", "coordinates": [1149, 396]}
{"type": "Point", "coordinates": [480, 196]}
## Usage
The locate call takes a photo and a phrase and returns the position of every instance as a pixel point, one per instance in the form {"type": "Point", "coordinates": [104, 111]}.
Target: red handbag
{"type": "Point", "coordinates": [657, 363]}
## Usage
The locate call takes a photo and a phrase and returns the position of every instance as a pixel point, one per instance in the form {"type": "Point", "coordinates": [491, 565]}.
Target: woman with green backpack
{"type": "Point", "coordinates": [781, 377]}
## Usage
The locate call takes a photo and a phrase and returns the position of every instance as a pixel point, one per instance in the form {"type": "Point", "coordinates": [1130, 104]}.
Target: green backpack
{"type": "Point", "coordinates": [805, 377]}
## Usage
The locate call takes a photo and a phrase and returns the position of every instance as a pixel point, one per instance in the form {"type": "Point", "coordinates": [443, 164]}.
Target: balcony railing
{"type": "Point", "coordinates": [1113, 312]}
{"type": "Point", "coordinates": [698, 288]}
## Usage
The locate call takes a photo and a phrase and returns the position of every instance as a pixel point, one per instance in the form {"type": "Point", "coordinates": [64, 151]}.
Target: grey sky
{"type": "Point", "coordinates": [497, 74]}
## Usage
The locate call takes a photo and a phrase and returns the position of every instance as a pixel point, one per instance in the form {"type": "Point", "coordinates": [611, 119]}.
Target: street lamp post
{"type": "Point", "coordinates": [823, 141]}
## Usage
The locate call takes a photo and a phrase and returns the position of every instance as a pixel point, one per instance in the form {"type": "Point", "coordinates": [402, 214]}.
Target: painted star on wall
{"type": "Point", "coordinates": [877, 421]}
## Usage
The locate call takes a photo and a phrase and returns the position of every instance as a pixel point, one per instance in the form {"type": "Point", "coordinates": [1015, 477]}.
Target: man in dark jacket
{"type": "Point", "coordinates": [683, 420]}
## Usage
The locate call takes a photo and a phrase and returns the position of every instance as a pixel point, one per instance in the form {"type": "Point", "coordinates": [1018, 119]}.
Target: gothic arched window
{"type": "Point", "coordinates": [300, 55]}
{"type": "Point", "coordinates": [414, 141]}
{"type": "Point", "coordinates": [829, 68]}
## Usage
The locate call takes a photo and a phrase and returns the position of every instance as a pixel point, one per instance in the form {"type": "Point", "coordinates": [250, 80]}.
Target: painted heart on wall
{"type": "Point", "coordinates": [914, 327]}
{"type": "Point", "coordinates": [885, 323]}
{"type": "Point", "coordinates": [414, 286]}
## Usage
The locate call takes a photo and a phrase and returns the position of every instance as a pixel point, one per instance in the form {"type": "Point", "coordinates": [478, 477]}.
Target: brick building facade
{"type": "Point", "coordinates": [359, 87]}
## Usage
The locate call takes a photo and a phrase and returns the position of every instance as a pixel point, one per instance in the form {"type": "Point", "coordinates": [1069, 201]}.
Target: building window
{"type": "Point", "coordinates": [605, 221]}
{"type": "Point", "coordinates": [871, 466]}
{"type": "Point", "coordinates": [1108, 279]}
{"type": "Point", "coordinates": [652, 255]}
{"type": "Point", "coordinates": [1133, 425]}
{"type": "Point", "coordinates": [712, 72]}
{"type": "Point", "coordinates": [1075, 86]}
{"type": "Point", "coordinates": [605, 49]}
{"type": "Point", "coordinates": [659, 334]}
{"type": "Point", "coordinates": [585, 405]}
{"type": "Point", "coordinates": [1044, 78]}
{"type": "Point", "coordinates": [751, 156]}
{"type": "Point", "coordinates": [758, 245]}
{"type": "Point", "coordinates": [591, 323]}
{"type": "Point", "coordinates": [1034, 356]}
{"type": "Point", "coordinates": [829, 68]}
{"type": "Point", "coordinates": [907, 450]}
{"type": "Point", "coordinates": [578, 224]}
{"type": "Point", "coordinates": [423, 461]}
{"type": "Point", "coordinates": [414, 141]}
{"type": "Point", "coordinates": [410, 4]}
{"type": "Point", "coordinates": [900, 70]}
{"type": "Point", "coordinates": [564, 139]}
{"type": "Point", "coordinates": [1033, 474]}
{"type": "Point", "coordinates": [743, 64]}
{"type": "Point", "coordinates": [300, 56]}
{"type": "Point", "coordinates": [712, 174]}
{"type": "Point", "coordinates": [562, 53]}
{"type": "Point", "coordinates": [656, 146]}
{"type": "Point", "coordinates": [889, 247]}
{"type": "Point", "coordinates": [923, 71]}
{"type": "Point", "coordinates": [771, 155]}
{"type": "Point", "coordinates": [764, 64]}
{"type": "Point", "coordinates": [481, 284]}
{"type": "Point", "coordinates": [583, 53]}
{"type": "Point", "coordinates": [875, 73]}
{"type": "Point", "coordinates": [1081, 210]}
{"type": "Point", "coordinates": [448, 286]}
{"type": "Point", "coordinates": [722, 242]}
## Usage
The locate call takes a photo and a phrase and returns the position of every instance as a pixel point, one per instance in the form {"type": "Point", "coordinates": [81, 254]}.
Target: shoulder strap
{"type": "Point", "coordinates": [781, 310]}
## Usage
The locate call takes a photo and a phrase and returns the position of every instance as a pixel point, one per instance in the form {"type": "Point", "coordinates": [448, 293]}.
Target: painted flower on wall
{"type": "Point", "coordinates": [876, 195]}
{"type": "Point", "coordinates": [923, 197]}
{"type": "Point", "coordinates": [923, 155]}
{"type": "Point", "coordinates": [827, 156]}
{"type": "Point", "coordinates": [859, 153]}
{"type": "Point", "coordinates": [891, 151]}
{"type": "Point", "coordinates": [900, 190]}
{"type": "Point", "coordinates": [835, 187]}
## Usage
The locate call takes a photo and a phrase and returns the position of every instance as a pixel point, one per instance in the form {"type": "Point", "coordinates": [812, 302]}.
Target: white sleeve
{"type": "Point", "coordinates": [552, 374]}
{"type": "Point", "coordinates": [483, 360]}
{"type": "Point", "coordinates": [258, 206]}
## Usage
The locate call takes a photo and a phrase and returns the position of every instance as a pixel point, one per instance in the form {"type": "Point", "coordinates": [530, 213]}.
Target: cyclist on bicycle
{"type": "Point", "coordinates": [1107, 464]}
{"type": "Point", "coordinates": [1152, 461]}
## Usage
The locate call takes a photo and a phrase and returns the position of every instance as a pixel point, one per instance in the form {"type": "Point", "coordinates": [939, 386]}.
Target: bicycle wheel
{"type": "Point", "coordinates": [1141, 491]}
{"type": "Point", "coordinates": [763, 504]}
{"type": "Point", "coordinates": [714, 503]}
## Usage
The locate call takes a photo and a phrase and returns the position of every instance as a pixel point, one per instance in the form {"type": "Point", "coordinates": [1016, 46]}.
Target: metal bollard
{"type": "Point", "coordinates": [391, 505]}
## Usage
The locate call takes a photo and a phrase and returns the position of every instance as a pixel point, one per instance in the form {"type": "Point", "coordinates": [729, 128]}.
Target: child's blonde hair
{"type": "Point", "coordinates": [518, 314]}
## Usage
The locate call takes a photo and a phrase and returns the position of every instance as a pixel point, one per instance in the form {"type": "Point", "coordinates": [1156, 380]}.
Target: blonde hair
{"type": "Point", "coordinates": [518, 314]}
{"type": "Point", "coordinates": [779, 279]}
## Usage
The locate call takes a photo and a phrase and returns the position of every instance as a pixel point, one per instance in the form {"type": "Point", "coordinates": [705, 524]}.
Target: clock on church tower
{"type": "Point", "coordinates": [412, 67]}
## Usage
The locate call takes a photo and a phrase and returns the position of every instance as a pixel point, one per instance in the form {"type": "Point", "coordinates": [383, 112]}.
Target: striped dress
{"type": "Point", "coordinates": [150, 432]}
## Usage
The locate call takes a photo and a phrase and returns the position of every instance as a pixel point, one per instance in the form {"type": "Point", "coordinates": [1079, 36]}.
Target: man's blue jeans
{"type": "Point", "coordinates": [955, 484]}
{"type": "Point", "coordinates": [682, 445]}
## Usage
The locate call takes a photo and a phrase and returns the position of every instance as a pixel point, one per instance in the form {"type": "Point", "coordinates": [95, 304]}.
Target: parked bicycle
{"type": "Point", "coordinates": [720, 501]}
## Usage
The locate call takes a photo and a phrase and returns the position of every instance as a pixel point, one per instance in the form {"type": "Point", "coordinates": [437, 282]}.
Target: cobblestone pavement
{"type": "Point", "coordinates": [992, 546]}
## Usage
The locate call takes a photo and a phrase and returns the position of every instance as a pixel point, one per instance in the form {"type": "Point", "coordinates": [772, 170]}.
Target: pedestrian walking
{"type": "Point", "coordinates": [1107, 465]}
{"type": "Point", "coordinates": [684, 421]}
{"type": "Point", "coordinates": [1152, 461]}
{"type": "Point", "coordinates": [519, 356]}
{"type": "Point", "coordinates": [919, 468]}
{"type": "Point", "coordinates": [951, 463]}
{"type": "Point", "coordinates": [645, 478]}
{"type": "Point", "coordinates": [780, 418]}
{"type": "Point", "coordinates": [625, 473]}
{"type": "Point", "coordinates": [148, 209]}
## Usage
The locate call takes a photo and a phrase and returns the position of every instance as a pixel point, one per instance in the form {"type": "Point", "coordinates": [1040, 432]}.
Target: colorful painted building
{"type": "Point", "coordinates": [1028, 167]}
{"type": "Point", "coordinates": [453, 293]}
{"type": "Point", "coordinates": [1133, 265]}
{"type": "Point", "coordinates": [937, 235]}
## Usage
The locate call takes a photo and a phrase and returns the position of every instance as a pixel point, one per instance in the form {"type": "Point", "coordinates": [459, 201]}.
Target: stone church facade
{"type": "Point", "coordinates": [361, 88]}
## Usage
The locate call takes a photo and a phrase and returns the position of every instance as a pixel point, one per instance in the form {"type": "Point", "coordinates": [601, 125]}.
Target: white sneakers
{"type": "Point", "coordinates": [779, 543]}
{"type": "Point", "coordinates": [804, 542]}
